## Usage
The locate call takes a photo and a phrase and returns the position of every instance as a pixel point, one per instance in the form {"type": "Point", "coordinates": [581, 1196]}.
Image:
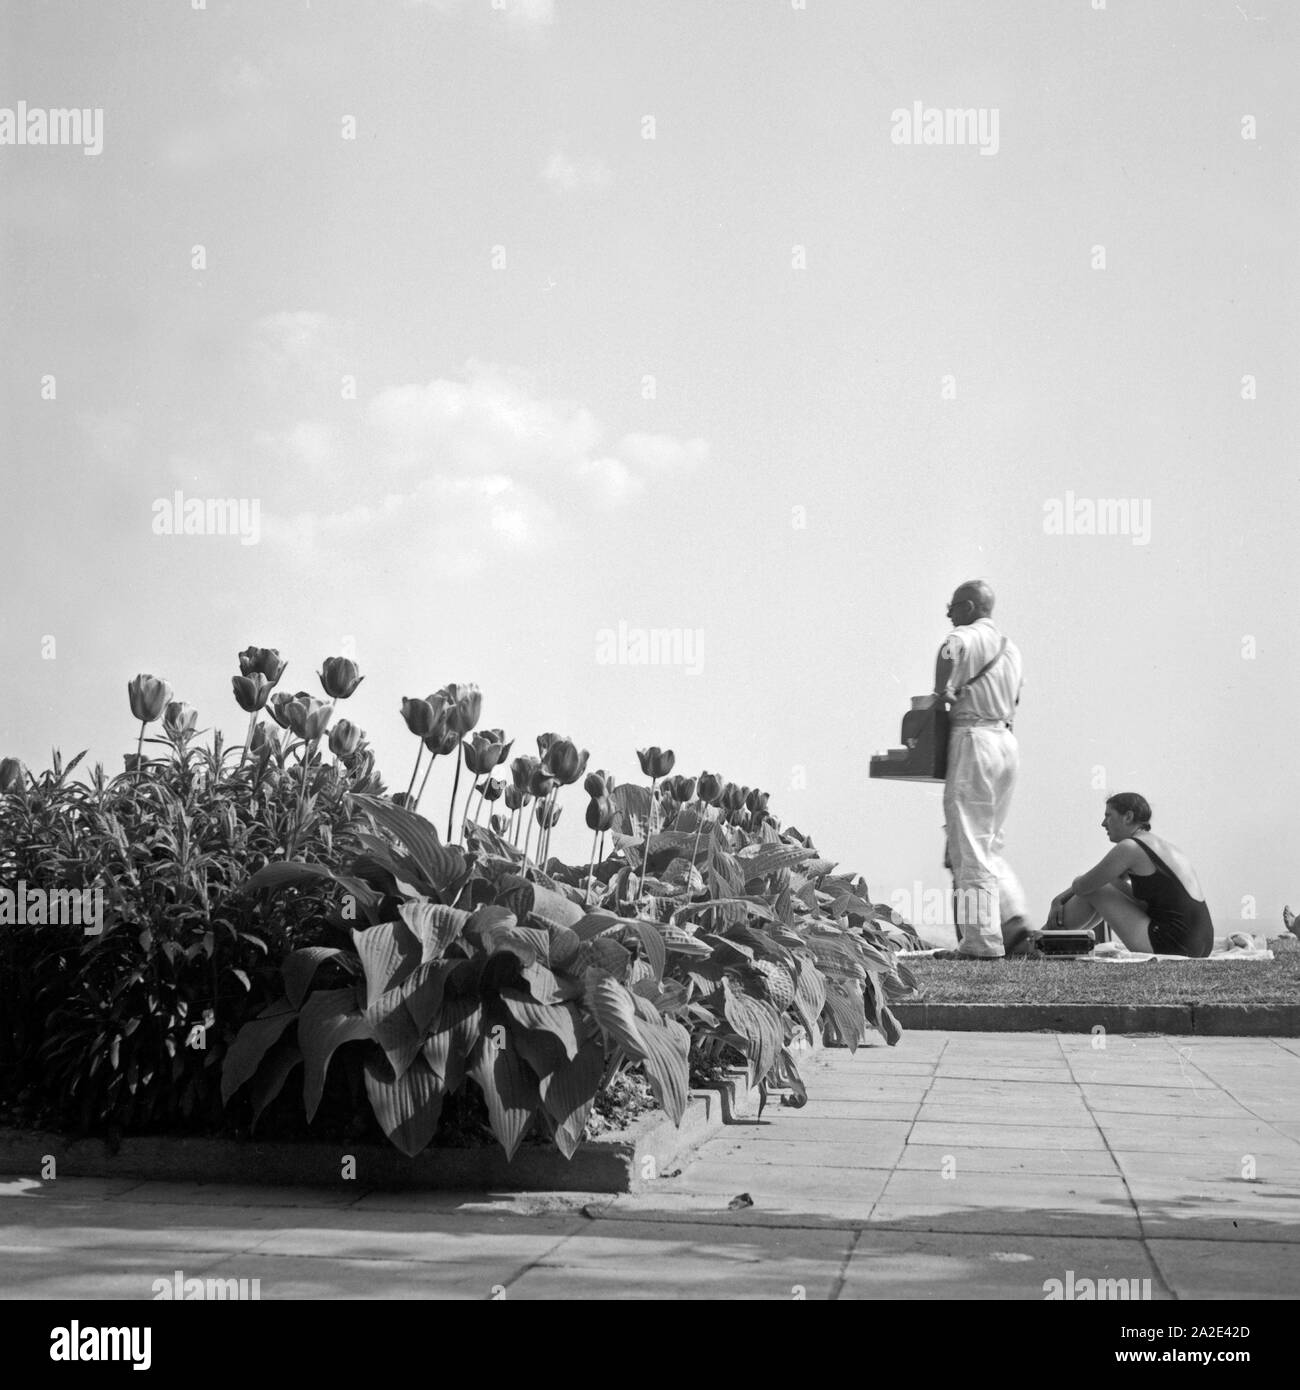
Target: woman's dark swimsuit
{"type": "Point", "coordinates": [1180, 923]}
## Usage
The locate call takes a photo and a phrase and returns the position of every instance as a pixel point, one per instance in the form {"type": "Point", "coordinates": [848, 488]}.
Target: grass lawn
{"type": "Point", "coordinates": [1024, 980]}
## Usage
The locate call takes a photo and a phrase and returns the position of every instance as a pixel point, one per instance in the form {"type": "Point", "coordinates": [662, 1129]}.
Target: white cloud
{"type": "Point", "coordinates": [463, 468]}
{"type": "Point", "coordinates": [560, 171]}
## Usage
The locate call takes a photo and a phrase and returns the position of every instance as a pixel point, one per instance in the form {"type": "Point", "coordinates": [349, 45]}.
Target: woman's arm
{"type": "Point", "coordinates": [1118, 862]}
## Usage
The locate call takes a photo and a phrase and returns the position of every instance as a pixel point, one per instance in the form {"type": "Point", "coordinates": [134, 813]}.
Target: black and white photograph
{"type": "Point", "coordinates": [649, 654]}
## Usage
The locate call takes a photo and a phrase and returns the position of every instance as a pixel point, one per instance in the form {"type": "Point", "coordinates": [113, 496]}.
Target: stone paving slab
{"type": "Point", "coordinates": [1222, 1269]}
{"type": "Point", "coordinates": [992, 1133]}
{"type": "Point", "coordinates": [1031, 1203]}
{"type": "Point", "coordinates": [669, 1259]}
{"type": "Point", "coordinates": [974, 1159]}
{"type": "Point", "coordinates": [916, 1265]}
{"type": "Point", "coordinates": [849, 1195]}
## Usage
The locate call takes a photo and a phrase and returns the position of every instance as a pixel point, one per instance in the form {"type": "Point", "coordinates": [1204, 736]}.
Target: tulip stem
{"type": "Point", "coordinates": [425, 783]}
{"type": "Point", "coordinates": [455, 788]}
{"type": "Point", "coordinates": [649, 830]}
{"type": "Point", "coordinates": [418, 753]}
{"type": "Point", "coordinates": [528, 835]}
{"type": "Point", "coordinates": [695, 848]}
{"type": "Point", "coordinates": [252, 719]}
{"type": "Point", "coordinates": [139, 748]}
{"type": "Point", "coordinates": [469, 801]}
{"type": "Point", "coordinates": [591, 867]}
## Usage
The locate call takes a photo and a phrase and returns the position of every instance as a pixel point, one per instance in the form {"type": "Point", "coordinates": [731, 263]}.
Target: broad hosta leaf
{"type": "Point", "coordinates": [453, 1037]}
{"type": "Point", "coordinates": [510, 1089]}
{"type": "Point", "coordinates": [614, 1009]}
{"type": "Point", "coordinates": [424, 993]}
{"type": "Point", "coordinates": [329, 1018]}
{"type": "Point", "coordinates": [434, 925]}
{"type": "Point", "coordinates": [388, 954]}
{"type": "Point", "coordinates": [255, 1039]}
{"type": "Point", "coordinates": [757, 861]}
{"type": "Point", "coordinates": [558, 1021]}
{"type": "Point", "coordinates": [596, 924]}
{"type": "Point", "coordinates": [890, 1027]}
{"type": "Point", "coordinates": [569, 1093]}
{"type": "Point", "coordinates": [284, 1056]}
{"type": "Point", "coordinates": [652, 942]}
{"type": "Point", "coordinates": [392, 1023]}
{"type": "Point", "coordinates": [564, 946]}
{"type": "Point", "coordinates": [545, 987]}
{"type": "Point", "coordinates": [553, 909]}
{"type": "Point", "coordinates": [300, 966]}
{"type": "Point", "coordinates": [492, 924]}
{"type": "Point", "coordinates": [683, 943]}
{"type": "Point", "coordinates": [759, 1024]}
{"type": "Point", "coordinates": [844, 1004]}
{"type": "Point", "coordinates": [809, 995]}
{"type": "Point", "coordinates": [281, 875]}
{"type": "Point", "coordinates": [665, 1049]}
{"type": "Point", "coordinates": [608, 955]}
{"type": "Point", "coordinates": [407, 1108]}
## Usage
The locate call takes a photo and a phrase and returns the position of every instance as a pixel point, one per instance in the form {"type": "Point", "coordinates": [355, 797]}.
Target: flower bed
{"type": "Point", "coordinates": [270, 915]}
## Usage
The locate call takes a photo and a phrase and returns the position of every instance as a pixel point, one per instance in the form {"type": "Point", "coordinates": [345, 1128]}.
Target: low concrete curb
{"type": "Point", "coordinates": [622, 1162]}
{"type": "Point", "coordinates": [1206, 1020]}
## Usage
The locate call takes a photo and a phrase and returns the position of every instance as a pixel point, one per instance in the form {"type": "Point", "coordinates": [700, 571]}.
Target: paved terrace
{"type": "Point", "coordinates": [958, 1165]}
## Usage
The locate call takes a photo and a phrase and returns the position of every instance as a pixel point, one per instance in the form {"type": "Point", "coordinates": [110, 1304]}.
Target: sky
{"type": "Point", "coordinates": [524, 323]}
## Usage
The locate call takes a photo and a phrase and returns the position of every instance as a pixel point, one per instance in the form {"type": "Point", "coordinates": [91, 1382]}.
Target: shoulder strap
{"type": "Point", "coordinates": [984, 670]}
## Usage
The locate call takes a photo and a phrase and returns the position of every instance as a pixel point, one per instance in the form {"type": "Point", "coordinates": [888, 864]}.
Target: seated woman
{"type": "Point", "coordinates": [1145, 890]}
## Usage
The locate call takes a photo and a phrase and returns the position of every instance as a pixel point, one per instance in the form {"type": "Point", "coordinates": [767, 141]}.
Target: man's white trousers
{"type": "Point", "coordinates": [982, 765]}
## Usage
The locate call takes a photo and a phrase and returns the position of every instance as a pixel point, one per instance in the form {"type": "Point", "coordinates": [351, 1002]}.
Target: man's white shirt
{"type": "Point", "coordinates": [970, 649]}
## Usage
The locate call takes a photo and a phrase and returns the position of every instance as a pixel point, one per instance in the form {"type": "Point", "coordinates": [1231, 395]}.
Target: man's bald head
{"type": "Point", "coordinates": [978, 594]}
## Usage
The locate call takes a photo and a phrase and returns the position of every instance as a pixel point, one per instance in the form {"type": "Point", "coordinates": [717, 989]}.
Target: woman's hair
{"type": "Point", "coordinates": [1130, 803]}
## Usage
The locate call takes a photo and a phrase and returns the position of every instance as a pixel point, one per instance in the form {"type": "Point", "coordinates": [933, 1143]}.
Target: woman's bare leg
{"type": "Point", "coordinates": [1124, 915]}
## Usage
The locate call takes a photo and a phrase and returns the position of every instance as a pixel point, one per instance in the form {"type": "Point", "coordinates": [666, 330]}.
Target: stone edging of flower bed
{"type": "Point", "coordinates": [1204, 1020]}
{"type": "Point", "coordinates": [610, 1163]}
{"type": "Point", "coordinates": [622, 1161]}
{"type": "Point", "coordinates": [616, 1162]}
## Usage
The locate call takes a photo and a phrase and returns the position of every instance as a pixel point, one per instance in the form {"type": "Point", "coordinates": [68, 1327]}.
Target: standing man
{"type": "Point", "coordinates": [979, 675]}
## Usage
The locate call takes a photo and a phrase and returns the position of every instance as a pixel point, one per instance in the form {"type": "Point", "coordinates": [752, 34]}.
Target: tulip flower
{"type": "Point", "coordinates": [500, 824]}
{"type": "Point", "coordinates": [656, 762]}
{"type": "Point", "coordinates": [252, 692]}
{"type": "Point", "coordinates": [491, 789]}
{"type": "Point", "coordinates": [420, 717]}
{"type": "Point", "coordinates": [564, 762]}
{"type": "Point", "coordinates": [522, 769]}
{"type": "Point", "coordinates": [308, 717]}
{"type": "Point", "coordinates": [547, 816]}
{"type": "Point", "coordinates": [483, 751]}
{"type": "Point", "coordinates": [541, 784]}
{"type": "Point", "coordinates": [731, 797]}
{"type": "Point", "coordinates": [595, 785]}
{"type": "Point", "coordinates": [179, 720]}
{"type": "Point", "coordinates": [339, 677]}
{"type": "Point", "coordinates": [685, 789]}
{"type": "Point", "coordinates": [148, 697]}
{"type": "Point", "coordinates": [263, 660]}
{"type": "Point", "coordinates": [709, 787]}
{"type": "Point", "coordinates": [11, 775]}
{"type": "Point", "coordinates": [544, 742]}
{"type": "Point", "coordinates": [514, 797]}
{"type": "Point", "coordinates": [465, 702]}
{"type": "Point", "coordinates": [345, 738]}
